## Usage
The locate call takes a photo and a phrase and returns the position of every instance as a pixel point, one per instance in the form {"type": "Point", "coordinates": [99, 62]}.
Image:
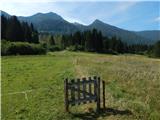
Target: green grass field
{"type": "Point", "coordinates": [32, 86]}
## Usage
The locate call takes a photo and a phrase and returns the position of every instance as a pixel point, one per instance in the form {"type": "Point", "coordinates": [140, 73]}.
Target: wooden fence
{"type": "Point", "coordinates": [83, 91]}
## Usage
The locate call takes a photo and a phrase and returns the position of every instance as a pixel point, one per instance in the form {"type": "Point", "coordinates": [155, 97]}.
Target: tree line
{"type": "Point", "coordinates": [19, 38]}
{"type": "Point", "coordinates": [94, 41]}
{"type": "Point", "coordinates": [91, 41]}
{"type": "Point", "coordinates": [13, 30]}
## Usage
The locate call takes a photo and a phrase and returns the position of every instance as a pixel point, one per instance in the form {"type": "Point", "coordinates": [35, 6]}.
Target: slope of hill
{"type": "Point", "coordinates": [55, 24]}
{"type": "Point", "coordinates": [109, 30]}
{"type": "Point", "coordinates": [50, 22]}
{"type": "Point", "coordinates": [153, 35]}
{"type": "Point", "coordinates": [4, 14]}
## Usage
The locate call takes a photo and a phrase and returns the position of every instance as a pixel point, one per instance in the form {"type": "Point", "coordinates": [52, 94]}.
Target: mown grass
{"type": "Point", "coordinates": [132, 84]}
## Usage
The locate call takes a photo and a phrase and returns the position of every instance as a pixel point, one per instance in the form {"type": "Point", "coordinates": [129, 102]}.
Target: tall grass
{"type": "Point", "coordinates": [132, 83]}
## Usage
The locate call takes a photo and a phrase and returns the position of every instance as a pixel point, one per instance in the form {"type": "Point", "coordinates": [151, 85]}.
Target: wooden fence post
{"type": "Point", "coordinates": [84, 89]}
{"type": "Point", "coordinates": [90, 87]}
{"type": "Point", "coordinates": [103, 87]}
{"type": "Point", "coordinates": [66, 95]}
{"type": "Point", "coordinates": [95, 87]}
{"type": "Point", "coordinates": [74, 94]}
{"type": "Point", "coordinates": [98, 94]}
{"type": "Point", "coordinates": [73, 91]}
{"type": "Point", "coordinates": [78, 90]}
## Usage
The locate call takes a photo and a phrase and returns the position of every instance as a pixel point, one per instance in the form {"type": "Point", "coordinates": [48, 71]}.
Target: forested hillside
{"type": "Point", "coordinates": [14, 30]}
{"type": "Point", "coordinates": [90, 40]}
{"type": "Point", "coordinates": [55, 24]}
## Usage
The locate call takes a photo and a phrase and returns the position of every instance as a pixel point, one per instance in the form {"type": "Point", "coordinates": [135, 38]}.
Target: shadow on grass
{"type": "Point", "coordinates": [103, 113]}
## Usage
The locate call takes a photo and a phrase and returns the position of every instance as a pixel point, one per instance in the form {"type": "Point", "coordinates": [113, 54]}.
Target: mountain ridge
{"type": "Point", "coordinates": [53, 23]}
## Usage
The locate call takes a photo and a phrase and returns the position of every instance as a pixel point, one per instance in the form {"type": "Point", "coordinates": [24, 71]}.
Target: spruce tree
{"type": "Point", "coordinates": [3, 27]}
{"type": "Point", "coordinates": [51, 41]}
{"type": "Point", "coordinates": [77, 38]}
{"type": "Point", "coordinates": [88, 41]}
{"type": "Point", "coordinates": [14, 30]}
{"type": "Point", "coordinates": [99, 42]}
{"type": "Point", "coordinates": [35, 38]}
{"type": "Point", "coordinates": [27, 32]}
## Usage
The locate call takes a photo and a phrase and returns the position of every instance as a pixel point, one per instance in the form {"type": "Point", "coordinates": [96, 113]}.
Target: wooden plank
{"type": "Point", "coordinates": [84, 101]}
{"type": "Point", "coordinates": [66, 95]}
{"type": "Point", "coordinates": [90, 87]}
{"type": "Point", "coordinates": [84, 89]}
{"type": "Point", "coordinates": [81, 82]}
{"type": "Point", "coordinates": [72, 91]}
{"type": "Point", "coordinates": [90, 90]}
{"type": "Point", "coordinates": [81, 91]}
{"type": "Point", "coordinates": [103, 84]}
{"type": "Point", "coordinates": [95, 86]}
{"type": "Point", "coordinates": [78, 90]}
{"type": "Point", "coordinates": [98, 94]}
{"type": "Point", "coordinates": [88, 94]}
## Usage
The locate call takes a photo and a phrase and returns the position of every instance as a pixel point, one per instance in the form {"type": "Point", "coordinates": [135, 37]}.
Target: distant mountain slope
{"type": "Point", "coordinates": [50, 22]}
{"type": "Point", "coordinates": [126, 36]}
{"type": "Point", "coordinates": [80, 26]}
{"type": "Point", "coordinates": [153, 35]}
{"type": "Point", "coordinates": [5, 14]}
{"type": "Point", "coordinates": [55, 24]}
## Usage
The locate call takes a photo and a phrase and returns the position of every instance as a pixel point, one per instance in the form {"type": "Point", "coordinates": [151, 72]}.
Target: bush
{"type": "Point", "coordinates": [79, 47]}
{"type": "Point", "coordinates": [71, 48]}
{"type": "Point", "coordinates": [21, 48]}
{"type": "Point", "coordinates": [110, 51]}
{"type": "Point", "coordinates": [156, 50]}
{"type": "Point", "coordinates": [75, 48]}
{"type": "Point", "coordinates": [54, 48]}
{"type": "Point", "coordinates": [4, 47]}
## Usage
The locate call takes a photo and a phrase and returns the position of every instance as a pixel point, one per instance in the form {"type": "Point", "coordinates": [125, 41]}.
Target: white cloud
{"type": "Point", "coordinates": [157, 19]}
{"type": "Point", "coordinates": [121, 7]}
{"type": "Point", "coordinates": [73, 20]}
{"type": "Point", "coordinates": [125, 5]}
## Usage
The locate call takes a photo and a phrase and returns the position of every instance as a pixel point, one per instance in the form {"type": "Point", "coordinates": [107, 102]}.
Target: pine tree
{"type": "Point", "coordinates": [119, 46]}
{"type": "Point", "coordinates": [14, 30]}
{"type": "Point", "coordinates": [32, 27]}
{"type": "Point", "coordinates": [3, 27]}
{"type": "Point", "coordinates": [63, 42]}
{"type": "Point", "coordinates": [99, 42]}
{"type": "Point", "coordinates": [112, 43]}
{"type": "Point", "coordinates": [106, 44]}
{"type": "Point", "coordinates": [51, 41]}
{"type": "Point", "coordinates": [35, 38]}
{"type": "Point", "coordinates": [83, 39]}
{"type": "Point", "coordinates": [94, 43]}
{"type": "Point", "coordinates": [88, 41]}
{"type": "Point", "coordinates": [27, 32]}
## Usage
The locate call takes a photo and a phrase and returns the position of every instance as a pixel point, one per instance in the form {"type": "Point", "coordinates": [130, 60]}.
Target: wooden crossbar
{"type": "Point", "coordinates": [82, 91]}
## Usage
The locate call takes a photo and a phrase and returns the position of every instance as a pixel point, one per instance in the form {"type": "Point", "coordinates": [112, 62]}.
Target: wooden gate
{"type": "Point", "coordinates": [83, 91]}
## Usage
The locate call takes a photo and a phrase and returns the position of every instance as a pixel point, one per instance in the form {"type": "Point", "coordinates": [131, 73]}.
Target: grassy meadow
{"type": "Point", "coordinates": [32, 86]}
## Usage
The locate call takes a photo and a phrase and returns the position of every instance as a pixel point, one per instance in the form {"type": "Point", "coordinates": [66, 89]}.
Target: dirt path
{"type": "Point", "coordinates": [80, 70]}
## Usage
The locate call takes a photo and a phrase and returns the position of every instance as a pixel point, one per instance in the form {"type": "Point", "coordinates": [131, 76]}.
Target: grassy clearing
{"type": "Point", "coordinates": [132, 83]}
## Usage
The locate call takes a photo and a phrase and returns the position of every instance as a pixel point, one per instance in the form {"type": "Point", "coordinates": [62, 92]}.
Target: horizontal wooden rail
{"type": "Point", "coordinates": [82, 91]}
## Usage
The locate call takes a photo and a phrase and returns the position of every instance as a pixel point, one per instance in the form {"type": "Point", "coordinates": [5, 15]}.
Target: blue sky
{"type": "Point", "coordinates": [134, 15]}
